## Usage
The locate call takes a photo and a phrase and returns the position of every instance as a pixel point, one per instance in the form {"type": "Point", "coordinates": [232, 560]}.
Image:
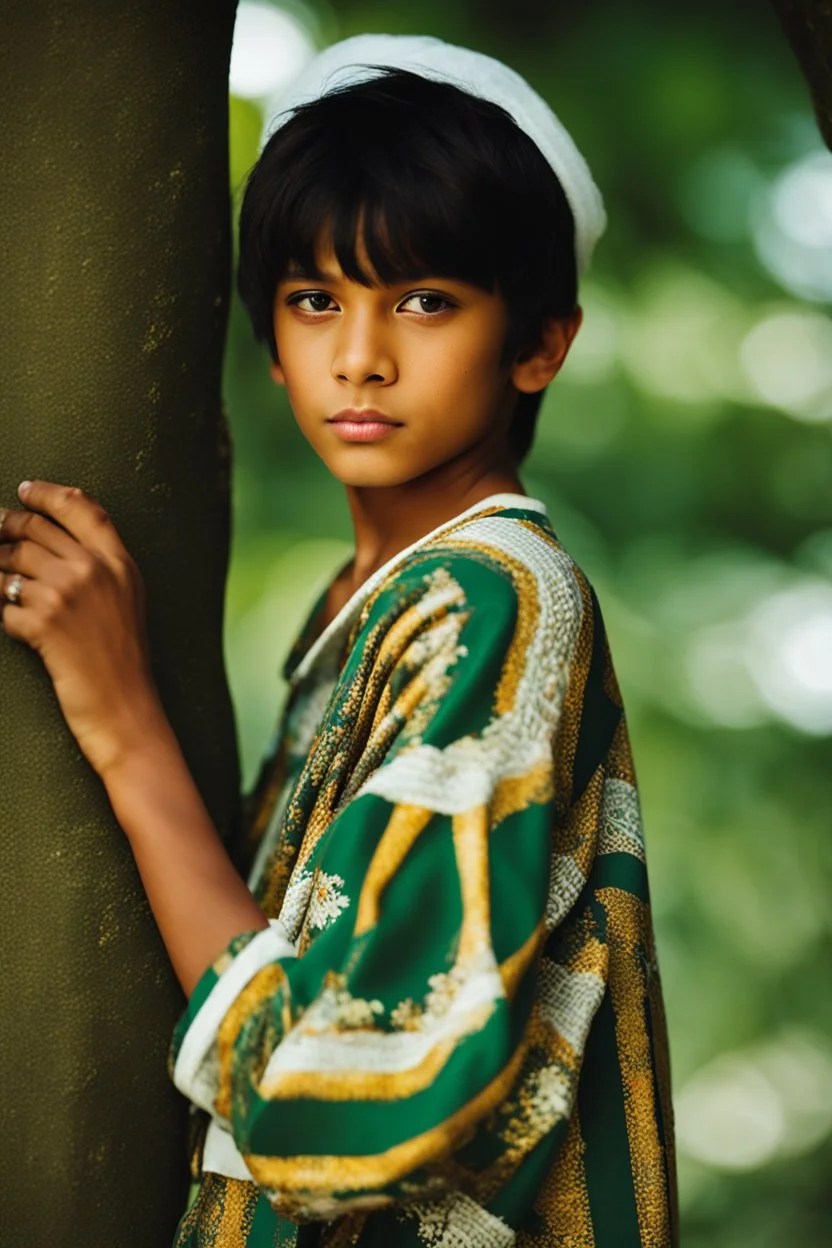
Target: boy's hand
{"type": "Point", "coordinates": [81, 606]}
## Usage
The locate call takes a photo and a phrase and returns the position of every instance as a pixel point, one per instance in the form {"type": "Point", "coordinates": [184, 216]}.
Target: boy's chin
{"type": "Point", "coordinates": [368, 478]}
{"type": "Point", "coordinates": [373, 472]}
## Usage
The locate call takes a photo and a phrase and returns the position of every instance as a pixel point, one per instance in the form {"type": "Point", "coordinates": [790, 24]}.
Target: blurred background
{"type": "Point", "coordinates": [686, 460]}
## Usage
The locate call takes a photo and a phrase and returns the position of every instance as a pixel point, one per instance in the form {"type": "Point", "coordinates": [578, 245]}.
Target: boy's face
{"type": "Point", "coordinates": [423, 357]}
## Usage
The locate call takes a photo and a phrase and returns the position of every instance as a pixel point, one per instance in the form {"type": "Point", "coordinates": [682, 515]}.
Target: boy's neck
{"type": "Point", "coordinates": [388, 520]}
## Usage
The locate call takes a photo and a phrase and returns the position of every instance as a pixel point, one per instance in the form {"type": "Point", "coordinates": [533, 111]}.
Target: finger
{"type": "Point", "coordinates": [82, 517]}
{"type": "Point", "coordinates": [17, 618]}
{"type": "Point", "coordinates": [14, 525]}
{"type": "Point", "coordinates": [9, 622]}
{"type": "Point", "coordinates": [8, 591]}
{"type": "Point", "coordinates": [33, 606]}
{"type": "Point", "coordinates": [11, 603]}
{"type": "Point", "coordinates": [26, 557]}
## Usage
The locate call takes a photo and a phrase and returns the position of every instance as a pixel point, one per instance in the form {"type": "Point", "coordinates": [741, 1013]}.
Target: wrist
{"type": "Point", "coordinates": [139, 741]}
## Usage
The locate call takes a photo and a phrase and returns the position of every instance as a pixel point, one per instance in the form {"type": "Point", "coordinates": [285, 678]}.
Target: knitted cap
{"type": "Point", "coordinates": [360, 58]}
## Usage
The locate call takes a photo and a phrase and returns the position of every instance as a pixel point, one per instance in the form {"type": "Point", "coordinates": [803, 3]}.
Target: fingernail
{"type": "Point", "coordinates": [23, 488]}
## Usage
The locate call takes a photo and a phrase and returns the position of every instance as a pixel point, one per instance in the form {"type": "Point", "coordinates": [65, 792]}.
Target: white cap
{"type": "Point", "coordinates": [360, 58]}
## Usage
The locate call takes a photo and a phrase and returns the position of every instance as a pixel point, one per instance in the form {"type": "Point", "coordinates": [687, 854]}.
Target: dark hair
{"type": "Point", "coordinates": [442, 182]}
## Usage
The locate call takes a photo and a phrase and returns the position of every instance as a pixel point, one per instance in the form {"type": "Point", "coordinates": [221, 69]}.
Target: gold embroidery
{"type": "Point", "coordinates": [276, 879]}
{"type": "Point", "coordinates": [470, 833]}
{"type": "Point", "coordinates": [566, 740]}
{"type": "Point", "coordinates": [359, 1085]}
{"type": "Point", "coordinates": [557, 1049]}
{"type": "Point", "coordinates": [324, 1174]}
{"type": "Point", "coordinates": [222, 1214]}
{"type": "Point", "coordinates": [385, 732]}
{"type": "Point", "coordinates": [405, 826]}
{"type": "Point", "coordinates": [517, 793]}
{"type": "Point", "coordinates": [578, 834]}
{"type": "Point", "coordinates": [591, 957]}
{"type": "Point", "coordinates": [627, 924]}
{"type": "Point", "coordinates": [259, 989]}
{"type": "Point", "coordinates": [526, 624]}
{"type": "Point", "coordinates": [438, 542]}
{"type": "Point", "coordinates": [563, 1200]}
{"type": "Point", "coordinates": [661, 1059]}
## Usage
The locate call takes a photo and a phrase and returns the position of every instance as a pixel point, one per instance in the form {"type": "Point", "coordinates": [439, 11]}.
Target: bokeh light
{"type": "Point", "coordinates": [793, 227]}
{"type": "Point", "coordinates": [594, 352]}
{"type": "Point", "coordinates": [729, 1116]}
{"type": "Point", "coordinates": [743, 1109]}
{"type": "Point", "coordinates": [790, 654]}
{"type": "Point", "coordinates": [681, 338]}
{"type": "Point", "coordinates": [720, 682]}
{"type": "Point", "coordinates": [787, 356]}
{"type": "Point", "coordinates": [270, 48]}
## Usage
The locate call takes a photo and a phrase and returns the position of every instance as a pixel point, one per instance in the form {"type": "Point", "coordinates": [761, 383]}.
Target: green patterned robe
{"type": "Point", "coordinates": [452, 1032]}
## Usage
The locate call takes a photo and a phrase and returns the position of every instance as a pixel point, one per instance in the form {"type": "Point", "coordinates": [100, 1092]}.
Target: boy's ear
{"type": "Point", "coordinates": [533, 370]}
{"type": "Point", "coordinates": [276, 373]}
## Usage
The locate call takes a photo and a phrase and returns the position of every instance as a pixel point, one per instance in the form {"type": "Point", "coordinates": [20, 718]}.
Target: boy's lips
{"type": "Point", "coordinates": [362, 424]}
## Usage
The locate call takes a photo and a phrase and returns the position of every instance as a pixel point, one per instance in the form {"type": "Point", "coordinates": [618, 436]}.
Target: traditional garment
{"type": "Point", "coordinates": [452, 1034]}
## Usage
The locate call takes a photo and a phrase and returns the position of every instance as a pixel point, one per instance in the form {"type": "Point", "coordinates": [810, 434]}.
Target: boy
{"type": "Point", "coordinates": [437, 1019]}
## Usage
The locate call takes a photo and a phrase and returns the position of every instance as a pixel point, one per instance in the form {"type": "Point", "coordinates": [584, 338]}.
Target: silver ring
{"type": "Point", "coordinates": [14, 589]}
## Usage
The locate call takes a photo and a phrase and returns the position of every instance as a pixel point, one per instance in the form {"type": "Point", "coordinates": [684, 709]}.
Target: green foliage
{"type": "Point", "coordinates": [685, 456]}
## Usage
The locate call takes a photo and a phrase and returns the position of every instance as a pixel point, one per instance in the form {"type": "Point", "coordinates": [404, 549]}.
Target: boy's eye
{"type": "Point", "coordinates": [427, 302]}
{"type": "Point", "coordinates": [317, 300]}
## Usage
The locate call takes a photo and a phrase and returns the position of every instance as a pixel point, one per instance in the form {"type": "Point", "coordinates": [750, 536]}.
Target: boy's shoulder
{"type": "Point", "coordinates": [506, 563]}
{"type": "Point", "coordinates": [504, 553]}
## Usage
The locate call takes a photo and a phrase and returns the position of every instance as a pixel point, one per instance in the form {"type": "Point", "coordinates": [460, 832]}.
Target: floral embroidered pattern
{"type": "Point", "coordinates": [314, 897]}
{"type": "Point", "coordinates": [337, 1007]}
{"type": "Point", "coordinates": [326, 901]}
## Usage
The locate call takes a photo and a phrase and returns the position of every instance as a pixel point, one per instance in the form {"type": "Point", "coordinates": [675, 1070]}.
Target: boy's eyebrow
{"type": "Point", "coordinates": [299, 273]}
{"type": "Point", "coordinates": [296, 273]}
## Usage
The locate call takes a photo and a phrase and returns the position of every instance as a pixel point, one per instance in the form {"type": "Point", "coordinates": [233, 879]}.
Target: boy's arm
{"type": "Point", "coordinates": [198, 899]}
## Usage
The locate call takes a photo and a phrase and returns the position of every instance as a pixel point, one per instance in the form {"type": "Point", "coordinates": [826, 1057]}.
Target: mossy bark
{"type": "Point", "coordinates": [115, 257]}
{"type": "Point", "coordinates": [808, 26]}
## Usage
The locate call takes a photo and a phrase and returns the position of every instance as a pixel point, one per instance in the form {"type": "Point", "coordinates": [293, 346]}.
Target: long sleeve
{"type": "Point", "coordinates": [440, 849]}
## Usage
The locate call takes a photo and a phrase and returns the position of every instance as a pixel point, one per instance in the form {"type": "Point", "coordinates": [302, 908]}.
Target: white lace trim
{"type": "Point", "coordinates": [222, 1156]}
{"type": "Point", "coordinates": [363, 592]}
{"type": "Point", "coordinates": [196, 1071]}
{"type": "Point", "coordinates": [313, 1046]}
{"type": "Point", "coordinates": [568, 1000]}
{"type": "Point", "coordinates": [621, 828]}
{"type": "Point", "coordinates": [457, 1221]}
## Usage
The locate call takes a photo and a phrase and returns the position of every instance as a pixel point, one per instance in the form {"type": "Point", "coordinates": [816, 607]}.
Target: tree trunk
{"type": "Point", "coordinates": [114, 254]}
{"type": "Point", "coordinates": [808, 27]}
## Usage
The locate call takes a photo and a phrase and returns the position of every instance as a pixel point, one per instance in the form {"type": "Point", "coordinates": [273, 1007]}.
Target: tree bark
{"type": "Point", "coordinates": [808, 27]}
{"type": "Point", "coordinates": [115, 257]}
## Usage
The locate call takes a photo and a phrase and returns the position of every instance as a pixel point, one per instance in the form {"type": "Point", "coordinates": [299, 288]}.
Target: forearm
{"type": "Point", "coordinates": [197, 897]}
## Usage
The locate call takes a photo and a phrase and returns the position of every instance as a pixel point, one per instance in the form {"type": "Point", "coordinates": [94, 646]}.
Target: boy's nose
{"type": "Point", "coordinates": [363, 355]}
